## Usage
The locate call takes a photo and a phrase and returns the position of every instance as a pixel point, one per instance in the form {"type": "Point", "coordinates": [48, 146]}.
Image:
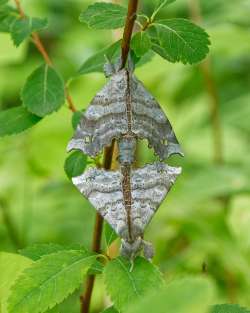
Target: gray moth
{"type": "Point", "coordinates": [124, 106]}
{"type": "Point", "coordinates": [148, 186]}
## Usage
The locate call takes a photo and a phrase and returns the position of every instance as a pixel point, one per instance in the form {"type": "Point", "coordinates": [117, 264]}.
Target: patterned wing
{"type": "Point", "coordinates": [150, 185]}
{"type": "Point", "coordinates": [104, 191]}
{"type": "Point", "coordinates": [105, 118]}
{"type": "Point", "coordinates": [150, 122]}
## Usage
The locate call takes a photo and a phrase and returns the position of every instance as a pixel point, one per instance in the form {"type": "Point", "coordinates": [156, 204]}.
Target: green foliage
{"type": "Point", "coordinates": [3, 2]}
{"type": "Point", "coordinates": [36, 251]}
{"type": "Point", "coordinates": [16, 120]}
{"type": "Point", "coordinates": [126, 282]}
{"type": "Point", "coordinates": [49, 281]}
{"type": "Point", "coordinates": [23, 28]}
{"type": "Point", "coordinates": [43, 92]}
{"type": "Point", "coordinates": [228, 308]}
{"type": "Point", "coordinates": [111, 309]}
{"type": "Point", "coordinates": [160, 5]}
{"type": "Point", "coordinates": [110, 234]}
{"type": "Point", "coordinates": [75, 164]}
{"type": "Point", "coordinates": [8, 16]}
{"type": "Point", "coordinates": [101, 15]}
{"type": "Point", "coordinates": [76, 117]}
{"type": "Point", "coordinates": [141, 43]}
{"type": "Point", "coordinates": [11, 266]}
{"type": "Point", "coordinates": [181, 41]}
{"type": "Point", "coordinates": [96, 62]}
{"type": "Point", "coordinates": [192, 295]}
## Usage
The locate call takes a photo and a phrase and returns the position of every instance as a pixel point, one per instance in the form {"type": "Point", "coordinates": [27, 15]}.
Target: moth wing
{"type": "Point", "coordinates": [151, 123]}
{"type": "Point", "coordinates": [150, 186]}
{"type": "Point", "coordinates": [105, 118]}
{"type": "Point", "coordinates": [104, 191]}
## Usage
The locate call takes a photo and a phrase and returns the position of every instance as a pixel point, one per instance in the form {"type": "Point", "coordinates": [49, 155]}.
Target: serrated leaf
{"type": "Point", "coordinates": [22, 28]}
{"type": "Point", "coordinates": [16, 120]}
{"type": "Point", "coordinates": [43, 92]}
{"type": "Point", "coordinates": [96, 62]}
{"type": "Point", "coordinates": [140, 61]}
{"type": "Point", "coordinates": [11, 266]}
{"type": "Point", "coordinates": [103, 15]}
{"type": "Point", "coordinates": [111, 309]}
{"type": "Point", "coordinates": [36, 251]}
{"type": "Point", "coordinates": [228, 308]}
{"type": "Point", "coordinates": [76, 116]}
{"type": "Point", "coordinates": [49, 281]}
{"type": "Point", "coordinates": [110, 235]}
{"type": "Point", "coordinates": [141, 43]}
{"type": "Point", "coordinates": [193, 295]}
{"type": "Point", "coordinates": [126, 284]}
{"type": "Point", "coordinates": [160, 5]}
{"type": "Point", "coordinates": [75, 164]}
{"type": "Point", "coordinates": [182, 40]}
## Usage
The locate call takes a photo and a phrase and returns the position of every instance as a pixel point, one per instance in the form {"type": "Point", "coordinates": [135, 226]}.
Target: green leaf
{"type": "Point", "coordinates": [16, 120]}
{"type": "Point", "coordinates": [75, 164]}
{"type": "Point", "coordinates": [43, 92]}
{"type": "Point", "coordinates": [141, 43]}
{"type": "Point", "coordinates": [96, 62]}
{"type": "Point", "coordinates": [140, 61]}
{"type": "Point", "coordinates": [228, 308]}
{"type": "Point", "coordinates": [76, 117]}
{"type": "Point", "coordinates": [126, 284]}
{"type": "Point", "coordinates": [11, 266]}
{"type": "Point", "coordinates": [8, 16]}
{"type": "Point", "coordinates": [110, 234]}
{"type": "Point", "coordinates": [49, 281]}
{"type": "Point", "coordinates": [22, 28]}
{"type": "Point", "coordinates": [182, 40]}
{"type": "Point", "coordinates": [193, 295]}
{"type": "Point", "coordinates": [160, 5]}
{"type": "Point", "coordinates": [36, 251]}
{"type": "Point", "coordinates": [103, 15]}
{"type": "Point", "coordinates": [111, 309]}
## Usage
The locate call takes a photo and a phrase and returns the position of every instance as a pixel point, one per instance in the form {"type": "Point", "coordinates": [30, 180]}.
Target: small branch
{"type": "Point", "coordinates": [128, 30]}
{"type": "Point", "coordinates": [97, 237]}
{"type": "Point", "coordinates": [212, 91]}
{"type": "Point", "coordinates": [40, 47]}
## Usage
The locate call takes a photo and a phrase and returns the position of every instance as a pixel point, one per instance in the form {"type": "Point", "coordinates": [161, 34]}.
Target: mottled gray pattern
{"type": "Point", "coordinates": [149, 187]}
{"type": "Point", "coordinates": [106, 118]}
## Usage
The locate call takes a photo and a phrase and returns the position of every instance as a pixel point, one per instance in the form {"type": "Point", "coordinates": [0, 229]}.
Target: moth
{"type": "Point", "coordinates": [127, 199]}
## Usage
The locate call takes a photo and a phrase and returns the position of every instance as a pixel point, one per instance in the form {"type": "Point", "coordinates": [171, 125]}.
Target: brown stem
{"type": "Point", "coordinates": [212, 91]}
{"type": "Point", "coordinates": [40, 47]}
{"type": "Point", "coordinates": [128, 30]}
{"type": "Point", "coordinates": [97, 237]}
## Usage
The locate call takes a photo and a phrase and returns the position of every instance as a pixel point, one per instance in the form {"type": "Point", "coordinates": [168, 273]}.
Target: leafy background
{"type": "Point", "coordinates": [204, 223]}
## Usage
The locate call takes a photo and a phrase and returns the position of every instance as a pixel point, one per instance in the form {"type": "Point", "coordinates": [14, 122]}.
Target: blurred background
{"type": "Point", "coordinates": [204, 224]}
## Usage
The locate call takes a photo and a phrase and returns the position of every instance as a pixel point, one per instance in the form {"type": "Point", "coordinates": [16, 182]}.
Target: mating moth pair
{"type": "Point", "coordinates": [128, 198]}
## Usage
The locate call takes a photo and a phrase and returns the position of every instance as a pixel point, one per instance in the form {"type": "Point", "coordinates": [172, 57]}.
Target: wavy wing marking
{"type": "Point", "coordinates": [104, 191]}
{"type": "Point", "coordinates": [105, 118]}
{"type": "Point", "coordinates": [150, 122]}
{"type": "Point", "coordinates": [149, 186]}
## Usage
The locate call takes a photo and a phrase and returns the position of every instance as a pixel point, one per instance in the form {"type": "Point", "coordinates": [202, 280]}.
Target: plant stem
{"type": "Point", "coordinates": [108, 155]}
{"type": "Point", "coordinates": [97, 237]}
{"type": "Point", "coordinates": [207, 72]}
{"type": "Point", "coordinates": [128, 30]}
{"type": "Point", "coordinates": [40, 47]}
